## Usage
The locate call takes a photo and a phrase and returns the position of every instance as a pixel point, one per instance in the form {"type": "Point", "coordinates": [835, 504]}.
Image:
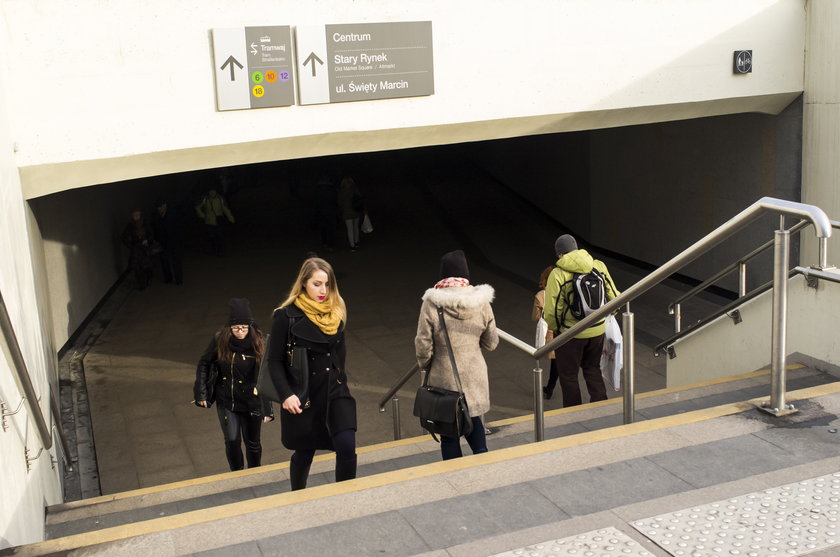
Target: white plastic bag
{"type": "Point", "coordinates": [542, 330]}
{"type": "Point", "coordinates": [367, 227]}
{"type": "Point", "coordinates": [612, 357]}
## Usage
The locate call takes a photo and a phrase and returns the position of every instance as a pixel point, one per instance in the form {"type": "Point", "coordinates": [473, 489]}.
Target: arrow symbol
{"type": "Point", "coordinates": [312, 58]}
{"type": "Point", "coordinates": [254, 49]}
{"type": "Point", "coordinates": [230, 62]}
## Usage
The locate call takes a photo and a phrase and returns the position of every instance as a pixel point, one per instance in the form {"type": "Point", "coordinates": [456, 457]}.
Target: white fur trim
{"type": "Point", "coordinates": [460, 296]}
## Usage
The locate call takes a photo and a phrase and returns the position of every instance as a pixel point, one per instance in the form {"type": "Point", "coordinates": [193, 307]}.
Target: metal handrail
{"type": "Point", "coordinates": [815, 215]}
{"type": "Point", "coordinates": [507, 337]}
{"type": "Point", "coordinates": [408, 375]}
{"type": "Point", "coordinates": [11, 346]}
{"type": "Point", "coordinates": [734, 266]}
{"type": "Point", "coordinates": [740, 265]}
{"type": "Point", "coordinates": [805, 271]}
{"type": "Point", "coordinates": [821, 222]}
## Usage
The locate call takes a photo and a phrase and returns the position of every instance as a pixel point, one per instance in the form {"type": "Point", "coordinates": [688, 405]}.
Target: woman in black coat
{"type": "Point", "coordinates": [226, 374]}
{"type": "Point", "coordinates": [324, 417]}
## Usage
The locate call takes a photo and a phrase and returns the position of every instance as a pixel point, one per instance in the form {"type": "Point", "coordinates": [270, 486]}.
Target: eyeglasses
{"type": "Point", "coordinates": [239, 328]}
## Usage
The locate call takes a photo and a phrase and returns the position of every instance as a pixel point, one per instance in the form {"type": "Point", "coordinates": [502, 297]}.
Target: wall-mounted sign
{"type": "Point", "coordinates": [364, 61]}
{"type": "Point", "coordinates": [743, 62]}
{"type": "Point", "coordinates": [253, 67]}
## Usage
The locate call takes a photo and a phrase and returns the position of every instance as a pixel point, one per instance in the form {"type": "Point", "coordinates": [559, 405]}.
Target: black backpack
{"type": "Point", "coordinates": [586, 294]}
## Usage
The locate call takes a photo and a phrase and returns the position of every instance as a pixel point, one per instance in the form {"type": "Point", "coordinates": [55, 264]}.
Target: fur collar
{"type": "Point", "coordinates": [460, 297]}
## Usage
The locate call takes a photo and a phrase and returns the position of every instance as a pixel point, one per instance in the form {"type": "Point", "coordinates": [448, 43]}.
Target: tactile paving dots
{"type": "Point", "coordinates": [607, 542]}
{"type": "Point", "coordinates": [785, 521]}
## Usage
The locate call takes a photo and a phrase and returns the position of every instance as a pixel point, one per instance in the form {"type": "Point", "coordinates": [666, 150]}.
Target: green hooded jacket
{"type": "Point", "coordinates": [559, 285]}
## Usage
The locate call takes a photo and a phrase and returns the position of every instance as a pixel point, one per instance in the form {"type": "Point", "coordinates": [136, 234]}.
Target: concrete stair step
{"type": "Point", "coordinates": [464, 501]}
{"type": "Point", "coordinates": [212, 491]}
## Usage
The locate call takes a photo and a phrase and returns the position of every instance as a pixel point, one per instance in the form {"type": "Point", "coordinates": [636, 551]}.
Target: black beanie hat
{"type": "Point", "coordinates": [240, 312]}
{"type": "Point", "coordinates": [565, 244]}
{"type": "Point", "coordinates": [454, 264]}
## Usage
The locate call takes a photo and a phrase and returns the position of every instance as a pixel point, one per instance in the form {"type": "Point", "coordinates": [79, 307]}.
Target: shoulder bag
{"type": "Point", "coordinates": [265, 387]}
{"type": "Point", "coordinates": [441, 411]}
{"type": "Point", "coordinates": [297, 364]}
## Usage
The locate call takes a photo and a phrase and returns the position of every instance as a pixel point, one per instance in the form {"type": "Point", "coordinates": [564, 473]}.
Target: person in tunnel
{"type": "Point", "coordinates": [137, 237]}
{"type": "Point", "coordinates": [584, 351]}
{"type": "Point", "coordinates": [471, 326]}
{"type": "Point", "coordinates": [167, 228]}
{"type": "Point", "coordinates": [544, 334]}
{"type": "Point", "coordinates": [226, 374]}
{"type": "Point", "coordinates": [213, 210]}
{"type": "Point", "coordinates": [351, 206]}
{"type": "Point", "coordinates": [319, 412]}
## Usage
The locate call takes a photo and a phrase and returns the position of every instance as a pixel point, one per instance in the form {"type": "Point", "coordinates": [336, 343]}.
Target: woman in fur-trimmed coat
{"type": "Point", "coordinates": [471, 325]}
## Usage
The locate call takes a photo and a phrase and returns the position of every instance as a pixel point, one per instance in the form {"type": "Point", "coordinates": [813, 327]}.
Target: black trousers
{"type": "Point", "coordinates": [584, 354]}
{"type": "Point", "coordinates": [237, 426]}
{"type": "Point", "coordinates": [170, 264]}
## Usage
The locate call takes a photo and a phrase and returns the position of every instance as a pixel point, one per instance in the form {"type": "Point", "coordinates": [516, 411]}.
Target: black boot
{"type": "Point", "coordinates": [298, 473]}
{"type": "Point", "coordinates": [253, 457]}
{"type": "Point", "coordinates": [233, 451]}
{"type": "Point", "coordinates": [345, 469]}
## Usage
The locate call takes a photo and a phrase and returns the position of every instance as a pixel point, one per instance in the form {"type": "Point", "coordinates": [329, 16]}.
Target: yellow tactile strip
{"type": "Point", "coordinates": [390, 444]}
{"type": "Point", "coordinates": [273, 501]}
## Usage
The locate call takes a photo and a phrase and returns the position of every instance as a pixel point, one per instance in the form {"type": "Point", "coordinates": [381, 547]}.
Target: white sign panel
{"type": "Point", "coordinates": [230, 55]}
{"type": "Point", "coordinates": [312, 65]}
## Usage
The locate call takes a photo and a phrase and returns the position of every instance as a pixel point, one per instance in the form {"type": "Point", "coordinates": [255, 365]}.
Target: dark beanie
{"type": "Point", "coordinates": [454, 264]}
{"type": "Point", "coordinates": [240, 312]}
{"type": "Point", "coordinates": [565, 244]}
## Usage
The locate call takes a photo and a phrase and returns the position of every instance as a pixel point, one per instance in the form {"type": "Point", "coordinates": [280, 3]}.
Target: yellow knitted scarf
{"type": "Point", "coordinates": [323, 314]}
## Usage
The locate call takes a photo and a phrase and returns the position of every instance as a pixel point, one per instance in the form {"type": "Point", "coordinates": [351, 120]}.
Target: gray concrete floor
{"type": "Point", "coordinates": [140, 372]}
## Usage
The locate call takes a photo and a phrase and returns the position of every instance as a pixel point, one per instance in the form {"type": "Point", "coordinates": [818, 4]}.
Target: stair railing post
{"type": "Point", "coordinates": [628, 371]}
{"type": "Point", "coordinates": [823, 254]}
{"type": "Point", "coordinates": [539, 421]}
{"type": "Point", "coordinates": [395, 408]}
{"type": "Point", "coordinates": [742, 279]}
{"type": "Point", "coordinates": [778, 344]}
{"type": "Point", "coordinates": [677, 317]}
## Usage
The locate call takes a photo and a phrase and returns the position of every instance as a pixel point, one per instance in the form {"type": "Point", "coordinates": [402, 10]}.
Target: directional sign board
{"type": "Point", "coordinates": [364, 61]}
{"type": "Point", "coordinates": [253, 67]}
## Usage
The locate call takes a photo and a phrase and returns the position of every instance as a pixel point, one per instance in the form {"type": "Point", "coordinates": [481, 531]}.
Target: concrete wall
{"type": "Point", "coordinates": [81, 245]}
{"type": "Point", "coordinates": [657, 189]}
{"type": "Point", "coordinates": [722, 348]}
{"type": "Point", "coordinates": [820, 163]}
{"type": "Point", "coordinates": [112, 91]}
{"type": "Point", "coordinates": [22, 494]}
{"type": "Point", "coordinates": [650, 191]}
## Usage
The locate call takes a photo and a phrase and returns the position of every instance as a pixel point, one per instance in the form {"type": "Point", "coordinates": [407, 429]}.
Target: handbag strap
{"type": "Point", "coordinates": [449, 349]}
{"type": "Point", "coordinates": [289, 337]}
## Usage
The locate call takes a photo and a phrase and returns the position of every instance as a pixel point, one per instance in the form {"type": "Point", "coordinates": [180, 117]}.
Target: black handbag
{"type": "Point", "coordinates": [441, 411]}
{"type": "Point", "coordinates": [297, 364]}
{"type": "Point", "coordinates": [265, 387]}
{"type": "Point", "coordinates": [209, 384]}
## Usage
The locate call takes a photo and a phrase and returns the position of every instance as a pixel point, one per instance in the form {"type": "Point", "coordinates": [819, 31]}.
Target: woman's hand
{"type": "Point", "coordinates": [292, 405]}
{"type": "Point", "coordinates": [203, 403]}
{"type": "Point", "coordinates": [267, 419]}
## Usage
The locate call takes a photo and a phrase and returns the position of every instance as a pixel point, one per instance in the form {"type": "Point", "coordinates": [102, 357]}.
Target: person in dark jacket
{"type": "Point", "coordinates": [326, 210]}
{"type": "Point", "coordinates": [166, 226]}
{"type": "Point", "coordinates": [227, 375]}
{"type": "Point", "coordinates": [313, 317]}
{"type": "Point", "coordinates": [137, 237]}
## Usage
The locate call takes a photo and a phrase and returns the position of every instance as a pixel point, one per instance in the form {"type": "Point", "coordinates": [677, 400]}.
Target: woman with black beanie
{"type": "Point", "coordinates": [471, 328]}
{"type": "Point", "coordinates": [227, 374]}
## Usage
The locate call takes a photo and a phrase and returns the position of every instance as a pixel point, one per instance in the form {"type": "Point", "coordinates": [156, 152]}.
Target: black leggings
{"type": "Point", "coordinates": [235, 427]}
{"type": "Point", "coordinates": [344, 443]}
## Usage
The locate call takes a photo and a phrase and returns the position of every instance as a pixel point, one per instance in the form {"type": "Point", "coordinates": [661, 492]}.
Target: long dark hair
{"type": "Point", "coordinates": [255, 335]}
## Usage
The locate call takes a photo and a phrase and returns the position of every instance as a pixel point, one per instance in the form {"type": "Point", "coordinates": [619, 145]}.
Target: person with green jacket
{"type": "Point", "coordinates": [584, 351]}
{"type": "Point", "coordinates": [211, 209]}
